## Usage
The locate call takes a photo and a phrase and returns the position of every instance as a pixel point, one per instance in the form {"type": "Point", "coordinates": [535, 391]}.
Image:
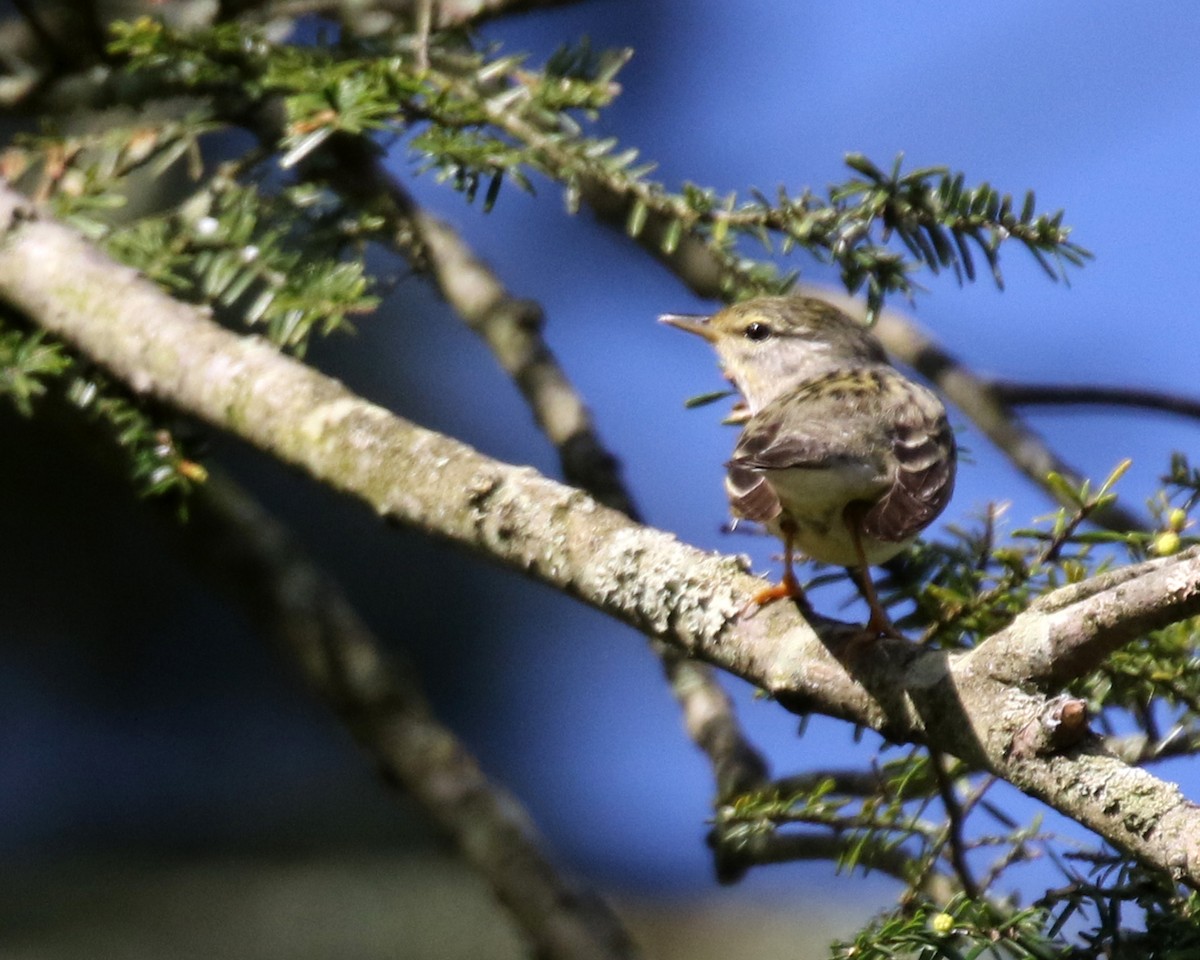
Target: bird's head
{"type": "Point", "coordinates": [768, 344]}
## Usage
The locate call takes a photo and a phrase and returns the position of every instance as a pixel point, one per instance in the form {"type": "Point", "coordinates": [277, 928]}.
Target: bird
{"type": "Point", "coordinates": [841, 456]}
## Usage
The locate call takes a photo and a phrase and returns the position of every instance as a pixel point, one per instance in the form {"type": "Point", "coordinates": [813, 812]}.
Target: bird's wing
{"type": "Point", "coordinates": [803, 437]}
{"type": "Point", "coordinates": [750, 495]}
{"type": "Point", "coordinates": [923, 445]}
{"type": "Point", "coordinates": [787, 434]}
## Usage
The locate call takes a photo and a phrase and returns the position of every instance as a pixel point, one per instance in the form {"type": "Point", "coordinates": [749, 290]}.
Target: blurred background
{"type": "Point", "coordinates": [153, 750]}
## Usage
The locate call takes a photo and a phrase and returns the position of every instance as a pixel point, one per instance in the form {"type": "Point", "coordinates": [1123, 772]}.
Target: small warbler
{"type": "Point", "coordinates": [841, 456]}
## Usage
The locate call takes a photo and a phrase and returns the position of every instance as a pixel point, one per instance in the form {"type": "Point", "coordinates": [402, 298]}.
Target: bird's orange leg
{"type": "Point", "coordinates": [788, 588]}
{"type": "Point", "coordinates": [880, 624]}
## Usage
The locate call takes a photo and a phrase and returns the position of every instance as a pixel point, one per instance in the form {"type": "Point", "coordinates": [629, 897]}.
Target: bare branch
{"type": "Point", "coordinates": [511, 327]}
{"type": "Point", "coordinates": [316, 627]}
{"type": "Point", "coordinates": [710, 719]}
{"type": "Point", "coordinates": [958, 703]}
{"type": "Point", "coordinates": [780, 847]}
{"type": "Point", "coordinates": [977, 398]}
{"type": "Point", "coordinates": [955, 821]}
{"type": "Point", "coordinates": [852, 782]}
{"type": "Point", "coordinates": [1014, 394]}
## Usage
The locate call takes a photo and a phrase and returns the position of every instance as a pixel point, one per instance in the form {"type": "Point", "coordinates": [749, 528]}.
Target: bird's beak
{"type": "Point", "coordinates": [692, 323]}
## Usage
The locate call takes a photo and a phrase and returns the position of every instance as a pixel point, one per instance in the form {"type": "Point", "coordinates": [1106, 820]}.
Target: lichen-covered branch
{"type": "Point", "coordinates": [965, 705]}
{"type": "Point", "coordinates": [1069, 632]}
{"type": "Point", "coordinates": [512, 329]}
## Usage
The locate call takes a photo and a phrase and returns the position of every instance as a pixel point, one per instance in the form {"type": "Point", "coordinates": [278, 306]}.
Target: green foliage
{"type": "Point", "coordinates": [30, 363]}
{"type": "Point", "coordinates": [477, 118]}
{"type": "Point", "coordinates": [972, 586]}
{"type": "Point", "coordinates": [27, 361]}
{"type": "Point", "coordinates": [274, 259]}
{"type": "Point", "coordinates": [80, 175]}
{"type": "Point", "coordinates": [963, 930]}
{"type": "Point", "coordinates": [158, 465]}
{"type": "Point", "coordinates": [872, 817]}
{"type": "Point", "coordinates": [938, 218]}
{"type": "Point", "coordinates": [267, 260]}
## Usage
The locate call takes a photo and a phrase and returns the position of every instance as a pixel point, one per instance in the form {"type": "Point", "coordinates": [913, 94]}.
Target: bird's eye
{"type": "Point", "coordinates": [757, 331]}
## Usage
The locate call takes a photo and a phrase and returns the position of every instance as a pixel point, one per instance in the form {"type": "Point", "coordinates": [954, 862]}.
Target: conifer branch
{"type": "Point", "coordinates": [1065, 634]}
{"type": "Point", "coordinates": [972, 706]}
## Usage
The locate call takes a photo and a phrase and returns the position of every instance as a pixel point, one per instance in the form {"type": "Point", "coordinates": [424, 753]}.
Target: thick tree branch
{"type": "Point", "coordinates": [512, 329]}
{"type": "Point", "coordinates": [562, 537]}
{"type": "Point", "coordinates": [1069, 632]}
{"type": "Point", "coordinates": [313, 623]}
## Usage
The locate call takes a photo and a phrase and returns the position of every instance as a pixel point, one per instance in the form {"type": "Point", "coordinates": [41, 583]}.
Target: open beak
{"type": "Point", "coordinates": [692, 323]}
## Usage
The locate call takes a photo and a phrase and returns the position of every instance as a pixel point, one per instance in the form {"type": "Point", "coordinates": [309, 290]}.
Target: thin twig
{"type": "Point", "coordinates": [780, 847]}
{"type": "Point", "coordinates": [955, 824]}
{"type": "Point", "coordinates": [1180, 741]}
{"type": "Point", "coordinates": [1015, 394]}
{"type": "Point", "coordinates": [424, 25]}
{"type": "Point", "coordinates": [1015, 852]}
{"type": "Point", "coordinates": [849, 782]}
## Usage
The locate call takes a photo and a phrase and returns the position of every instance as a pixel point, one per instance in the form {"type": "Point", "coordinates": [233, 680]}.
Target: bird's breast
{"type": "Point", "coordinates": [813, 501]}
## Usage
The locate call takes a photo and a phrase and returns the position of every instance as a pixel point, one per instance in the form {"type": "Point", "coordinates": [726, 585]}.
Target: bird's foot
{"type": "Point", "coordinates": [787, 589]}
{"type": "Point", "coordinates": [880, 625]}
